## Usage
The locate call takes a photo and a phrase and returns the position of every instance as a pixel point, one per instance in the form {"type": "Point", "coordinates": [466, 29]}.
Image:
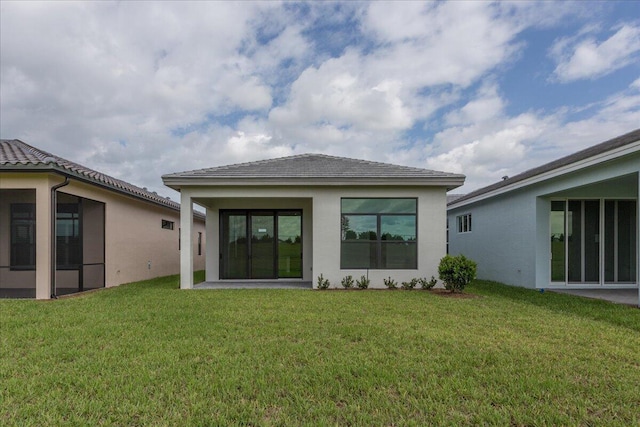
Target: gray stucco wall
{"type": "Point", "coordinates": [501, 238]}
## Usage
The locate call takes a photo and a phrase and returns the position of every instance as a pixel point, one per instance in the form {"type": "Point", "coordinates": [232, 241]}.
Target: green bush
{"type": "Point", "coordinates": [363, 282]}
{"type": "Point", "coordinates": [347, 282]}
{"type": "Point", "coordinates": [407, 286]}
{"type": "Point", "coordinates": [323, 283]}
{"type": "Point", "coordinates": [456, 272]}
{"type": "Point", "coordinates": [427, 284]}
{"type": "Point", "coordinates": [390, 283]}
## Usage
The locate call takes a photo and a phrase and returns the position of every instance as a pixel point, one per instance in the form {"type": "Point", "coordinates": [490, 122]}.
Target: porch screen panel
{"type": "Point", "coordinates": [626, 249]}
{"type": "Point", "coordinates": [574, 240]}
{"type": "Point", "coordinates": [591, 241]}
{"type": "Point", "coordinates": [557, 222]}
{"type": "Point", "coordinates": [23, 236]}
{"type": "Point", "coordinates": [610, 238]}
{"type": "Point", "coordinates": [93, 244]}
{"type": "Point", "coordinates": [69, 243]}
{"type": "Point", "coordinates": [620, 241]}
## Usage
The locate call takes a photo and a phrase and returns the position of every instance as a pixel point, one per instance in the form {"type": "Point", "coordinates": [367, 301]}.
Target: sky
{"type": "Point", "coordinates": [141, 89]}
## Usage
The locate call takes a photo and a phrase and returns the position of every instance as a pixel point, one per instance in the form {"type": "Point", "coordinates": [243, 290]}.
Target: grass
{"type": "Point", "coordinates": [149, 354]}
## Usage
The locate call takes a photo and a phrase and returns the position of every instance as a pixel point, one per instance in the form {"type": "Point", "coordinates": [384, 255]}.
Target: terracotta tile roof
{"type": "Point", "coordinates": [313, 166]}
{"type": "Point", "coordinates": [595, 150]}
{"type": "Point", "coordinates": [18, 155]}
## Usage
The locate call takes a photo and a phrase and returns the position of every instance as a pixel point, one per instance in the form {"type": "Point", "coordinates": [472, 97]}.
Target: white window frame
{"type": "Point", "coordinates": [464, 224]}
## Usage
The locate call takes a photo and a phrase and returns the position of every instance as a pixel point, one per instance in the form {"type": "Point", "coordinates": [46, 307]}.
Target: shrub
{"type": "Point", "coordinates": [427, 284]}
{"type": "Point", "coordinates": [390, 283]}
{"type": "Point", "coordinates": [363, 282]}
{"type": "Point", "coordinates": [407, 286]}
{"type": "Point", "coordinates": [347, 282]}
{"type": "Point", "coordinates": [456, 272]}
{"type": "Point", "coordinates": [323, 283]}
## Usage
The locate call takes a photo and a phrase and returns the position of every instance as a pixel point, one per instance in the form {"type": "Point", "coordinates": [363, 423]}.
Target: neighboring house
{"type": "Point", "coordinates": [571, 223]}
{"type": "Point", "coordinates": [104, 231]}
{"type": "Point", "coordinates": [302, 216]}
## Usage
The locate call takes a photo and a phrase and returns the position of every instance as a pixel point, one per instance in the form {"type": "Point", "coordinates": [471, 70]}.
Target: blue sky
{"type": "Point", "coordinates": [139, 89]}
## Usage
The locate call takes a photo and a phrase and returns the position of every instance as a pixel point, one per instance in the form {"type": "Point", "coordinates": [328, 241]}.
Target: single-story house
{"type": "Point", "coordinates": [571, 223]}
{"type": "Point", "coordinates": [65, 228]}
{"type": "Point", "coordinates": [299, 217]}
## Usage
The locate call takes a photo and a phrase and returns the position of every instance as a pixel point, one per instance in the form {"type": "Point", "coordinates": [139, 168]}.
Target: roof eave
{"type": "Point", "coordinates": [176, 183]}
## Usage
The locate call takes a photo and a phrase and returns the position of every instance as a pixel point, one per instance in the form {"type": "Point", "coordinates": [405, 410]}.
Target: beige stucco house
{"type": "Point", "coordinates": [103, 231]}
{"type": "Point", "coordinates": [297, 217]}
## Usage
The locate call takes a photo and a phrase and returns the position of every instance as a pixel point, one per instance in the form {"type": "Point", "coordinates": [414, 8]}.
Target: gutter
{"type": "Point", "coordinates": [54, 248]}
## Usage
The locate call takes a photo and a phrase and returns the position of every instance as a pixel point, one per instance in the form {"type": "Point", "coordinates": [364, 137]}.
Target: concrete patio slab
{"type": "Point", "coordinates": [261, 284]}
{"type": "Point", "coordinates": [618, 296]}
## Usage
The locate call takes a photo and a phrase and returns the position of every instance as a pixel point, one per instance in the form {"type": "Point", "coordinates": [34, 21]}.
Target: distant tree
{"type": "Point", "coordinates": [367, 235]}
{"type": "Point", "coordinates": [344, 226]}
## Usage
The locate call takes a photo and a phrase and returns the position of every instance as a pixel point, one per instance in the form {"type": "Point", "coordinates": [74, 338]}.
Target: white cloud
{"type": "Point", "coordinates": [242, 148]}
{"type": "Point", "coordinates": [335, 94]}
{"type": "Point", "coordinates": [482, 141]}
{"type": "Point", "coordinates": [367, 99]}
{"type": "Point", "coordinates": [427, 44]}
{"type": "Point", "coordinates": [494, 145]}
{"type": "Point", "coordinates": [83, 77]}
{"type": "Point", "coordinates": [485, 106]}
{"type": "Point", "coordinates": [138, 89]}
{"type": "Point", "coordinates": [585, 57]}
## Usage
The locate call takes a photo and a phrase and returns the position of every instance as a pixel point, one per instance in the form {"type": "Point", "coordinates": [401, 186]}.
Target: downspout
{"type": "Point", "coordinates": [54, 238]}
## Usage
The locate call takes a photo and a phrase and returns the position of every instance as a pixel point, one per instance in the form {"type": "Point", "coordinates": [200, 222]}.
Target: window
{"type": "Point", "coordinates": [199, 243]}
{"type": "Point", "coordinates": [23, 236]}
{"type": "Point", "coordinates": [167, 225]}
{"type": "Point", "coordinates": [379, 234]}
{"type": "Point", "coordinates": [68, 243]}
{"type": "Point", "coordinates": [464, 223]}
{"type": "Point", "coordinates": [447, 236]}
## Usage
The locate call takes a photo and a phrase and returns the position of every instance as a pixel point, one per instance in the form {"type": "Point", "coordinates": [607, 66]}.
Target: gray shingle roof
{"type": "Point", "coordinates": [594, 150]}
{"type": "Point", "coordinates": [18, 155]}
{"type": "Point", "coordinates": [452, 197]}
{"type": "Point", "coordinates": [306, 166]}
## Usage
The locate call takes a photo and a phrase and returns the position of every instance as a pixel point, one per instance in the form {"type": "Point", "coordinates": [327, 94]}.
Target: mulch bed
{"type": "Point", "coordinates": [438, 291]}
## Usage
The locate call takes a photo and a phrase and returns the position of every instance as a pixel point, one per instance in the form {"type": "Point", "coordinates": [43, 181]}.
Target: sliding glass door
{"type": "Point", "coordinates": [558, 239]}
{"type": "Point", "coordinates": [619, 240]}
{"type": "Point", "coordinates": [290, 244]}
{"type": "Point", "coordinates": [262, 254]}
{"type": "Point", "coordinates": [583, 235]}
{"type": "Point", "coordinates": [593, 241]}
{"type": "Point", "coordinates": [235, 247]}
{"type": "Point", "coordinates": [261, 244]}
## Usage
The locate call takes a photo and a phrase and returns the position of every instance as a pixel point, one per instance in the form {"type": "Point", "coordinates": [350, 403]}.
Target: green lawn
{"type": "Point", "coordinates": [149, 354]}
